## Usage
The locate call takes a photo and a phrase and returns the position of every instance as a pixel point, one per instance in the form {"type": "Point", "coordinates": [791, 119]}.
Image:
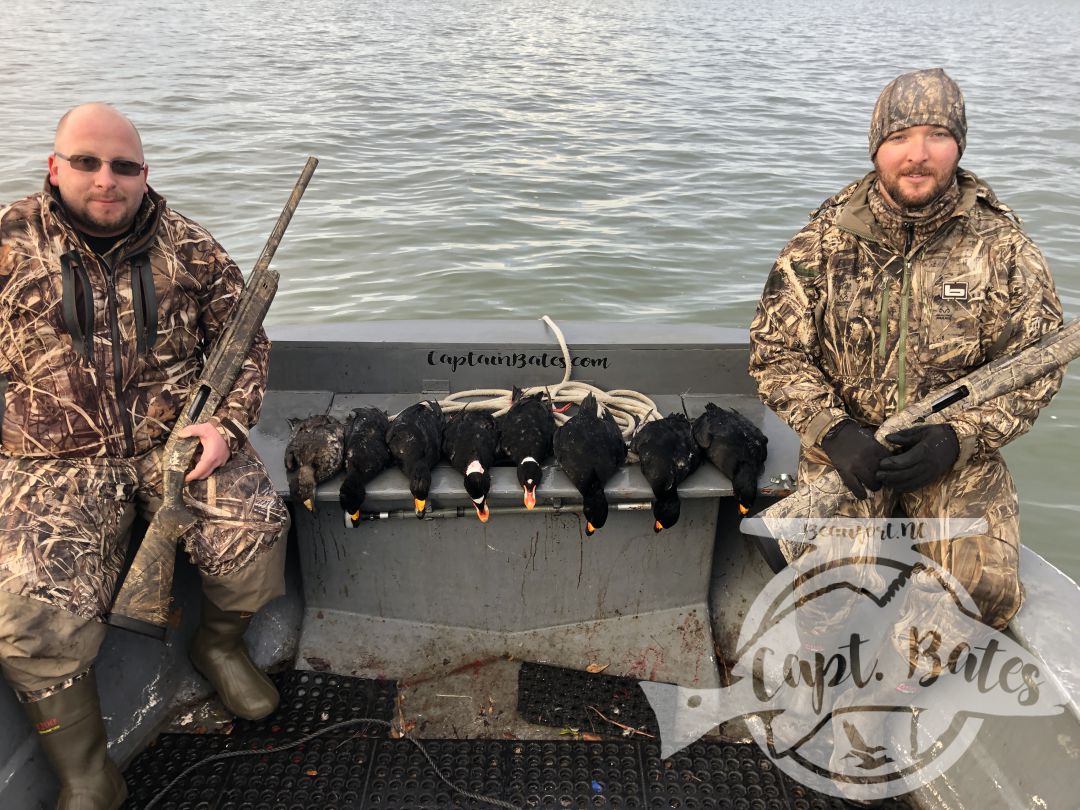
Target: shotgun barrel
{"type": "Point", "coordinates": [141, 603]}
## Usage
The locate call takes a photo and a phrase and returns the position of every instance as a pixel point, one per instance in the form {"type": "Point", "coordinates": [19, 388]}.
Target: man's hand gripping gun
{"type": "Point", "coordinates": [824, 497]}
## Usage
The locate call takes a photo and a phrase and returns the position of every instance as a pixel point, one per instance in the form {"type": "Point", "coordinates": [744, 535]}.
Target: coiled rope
{"type": "Point", "coordinates": [630, 409]}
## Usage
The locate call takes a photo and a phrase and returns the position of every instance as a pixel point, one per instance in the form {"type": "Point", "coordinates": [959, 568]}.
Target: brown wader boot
{"type": "Point", "coordinates": [219, 655]}
{"type": "Point", "coordinates": [72, 735]}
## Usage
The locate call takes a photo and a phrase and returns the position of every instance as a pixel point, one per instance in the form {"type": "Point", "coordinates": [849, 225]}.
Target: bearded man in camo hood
{"type": "Point", "coordinates": [906, 280]}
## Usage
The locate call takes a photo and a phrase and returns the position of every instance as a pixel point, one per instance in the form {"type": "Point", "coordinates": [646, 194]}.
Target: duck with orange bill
{"type": "Point", "coordinates": [668, 455]}
{"type": "Point", "coordinates": [525, 435]}
{"type": "Point", "coordinates": [415, 442]}
{"type": "Point", "coordinates": [314, 454]}
{"type": "Point", "coordinates": [366, 455]}
{"type": "Point", "coordinates": [736, 446]}
{"type": "Point", "coordinates": [590, 448]}
{"type": "Point", "coordinates": [470, 444]}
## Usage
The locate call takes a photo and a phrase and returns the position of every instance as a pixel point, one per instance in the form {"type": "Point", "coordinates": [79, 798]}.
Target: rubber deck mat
{"type": "Point", "coordinates": [325, 766]}
{"type": "Point", "coordinates": [363, 769]}
{"type": "Point", "coordinates": [705, 774]}
{"type": "Point", "coordinates": [570, 698]}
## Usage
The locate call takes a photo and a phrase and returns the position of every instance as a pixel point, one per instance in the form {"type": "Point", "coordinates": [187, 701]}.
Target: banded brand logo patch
{"type": "Point", "coordinates": [46, 726]}
{"type": "Point", "coordinates": [955, 290]}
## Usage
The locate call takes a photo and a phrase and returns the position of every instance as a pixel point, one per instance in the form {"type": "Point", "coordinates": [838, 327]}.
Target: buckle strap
{"type": "Point", "coordinates": [144, 303]}
{"type": "Point", "coordinates": [78, 304]}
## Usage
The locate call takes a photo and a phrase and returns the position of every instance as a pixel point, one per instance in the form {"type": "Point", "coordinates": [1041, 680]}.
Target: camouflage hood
{"type": "Point", "coordinates": [921, 98]}
{"type": "Point", "coordinates": [101, 351]}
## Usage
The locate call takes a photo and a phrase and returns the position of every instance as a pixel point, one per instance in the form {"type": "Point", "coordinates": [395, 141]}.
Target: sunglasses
{"type": "Point", "coordinates": [89, 163]}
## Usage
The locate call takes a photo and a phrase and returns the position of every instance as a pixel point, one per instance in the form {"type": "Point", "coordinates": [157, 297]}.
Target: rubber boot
{"type": "Point", "coordinates": [219, 655]}
{"type": "Point", "coordinates": [72, 735]}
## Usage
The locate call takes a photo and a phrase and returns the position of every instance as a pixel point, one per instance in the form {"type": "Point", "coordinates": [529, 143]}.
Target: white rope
{"type": "Point", "coordinates": [630, 409]}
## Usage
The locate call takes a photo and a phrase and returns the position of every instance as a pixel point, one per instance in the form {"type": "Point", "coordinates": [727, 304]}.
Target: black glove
{"type": "Point", "coordinates": [930, 451]}
{"type": "Point", "coordinates": [855, 453]}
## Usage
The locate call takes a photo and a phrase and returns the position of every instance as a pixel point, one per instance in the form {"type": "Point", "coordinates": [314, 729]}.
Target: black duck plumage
{"type": "Point", "coordinates": [668, 455]}
{"type": "Point", "coordinates": [590, 448]}
{"type": "Point", "coordinates": [415, 442]}
{"type": "Point", "coordinates": [736, 446]}
{"type": "Point", "coordinates": [366, 455]}
{"type": "Point", "coordinates": [314, 454]}
{"type": "Point", "coordinates": [471, 443]}
{"type": "Point", "coordinates": [525, 436]}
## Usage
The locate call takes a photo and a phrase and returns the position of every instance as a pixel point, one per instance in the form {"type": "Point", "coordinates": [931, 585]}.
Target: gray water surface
{"type": "Point", "coordinates": [603, 160]}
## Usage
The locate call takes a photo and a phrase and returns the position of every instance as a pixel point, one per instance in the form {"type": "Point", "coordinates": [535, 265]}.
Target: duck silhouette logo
{"type": "Point", "coordinates": [863, 669]}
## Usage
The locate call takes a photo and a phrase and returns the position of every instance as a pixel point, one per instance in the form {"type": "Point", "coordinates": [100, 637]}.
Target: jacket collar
{"type": "Point", "coordinates": [147, 219]}
{"type": "Point", "coordinates": [855, 215]}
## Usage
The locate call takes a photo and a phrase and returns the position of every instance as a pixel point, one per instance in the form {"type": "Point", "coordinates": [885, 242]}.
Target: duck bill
{"type": "Point", "coordinates": [743, 510]}
{"type": "Point", "coordinates": [421, 507]}
{"type": "Point", "coordinates": [658, 527]}
{"type": "Point", "coordinates": [590, 530]}
{"type": "Point", "coordinates": [530, 497]}
{"type": "Point", "coordinates": [354, 517]}
{"type": "Point", "coordinates": [482, 511]}
{"type": "Point", "coordinates": [309, 504]}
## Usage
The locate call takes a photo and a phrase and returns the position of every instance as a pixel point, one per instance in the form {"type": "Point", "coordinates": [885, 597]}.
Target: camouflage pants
{"type": "Point", "coordinates": [986, 564]}
{"type": "Point", "coordinates": [63, 537]}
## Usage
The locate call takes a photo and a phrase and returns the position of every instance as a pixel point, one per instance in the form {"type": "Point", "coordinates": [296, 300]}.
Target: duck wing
{"type": "Point", "coordinates": [527, 429]}
{"type": "Point", "coordinates": [667, 452]}
{"type": "Point", "coordinates": [366, 450]}
{"type": "Point", "coordinates": [589, 448]}
{"type": "Point", "coordinates": [470, 436]}
{"type": "Point", "coordinates": [317, 442]}
{"type": "Point", "coordinates": [415, 436]}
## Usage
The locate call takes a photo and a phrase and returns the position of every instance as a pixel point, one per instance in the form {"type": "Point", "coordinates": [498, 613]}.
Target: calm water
{"type": "Point", "coordinates": [612, 160]}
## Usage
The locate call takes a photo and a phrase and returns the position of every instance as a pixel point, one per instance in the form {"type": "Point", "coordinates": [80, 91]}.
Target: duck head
{"type": "Point", "coordinates": [302, 487]}
{"type": "Point", "coordinates": [595, 507]}
{"type": "Point", "coordinates": [744, 483]}
{"type": "Point", "coordinates": [419, 486]}
{"type": "Point", "coordinates": [528, 474]}
{"type": "Point", "coordinates": [666, 512]}
{"type": "Point", "coordinates": [477, 484]}
{"type": "Point", "coordinates": [351, 496]}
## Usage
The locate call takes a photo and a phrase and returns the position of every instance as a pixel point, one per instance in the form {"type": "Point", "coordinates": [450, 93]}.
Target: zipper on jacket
{"type": "Point", "coordinates": [905, 295]}
{"type": "Point", "coordinates": [118, 377]}
{"type": "Point", "coordinates": [883, 326]}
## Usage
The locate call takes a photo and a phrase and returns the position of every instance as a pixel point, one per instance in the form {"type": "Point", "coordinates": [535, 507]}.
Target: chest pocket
{"type": "Point", "coordinates": [955, 304]}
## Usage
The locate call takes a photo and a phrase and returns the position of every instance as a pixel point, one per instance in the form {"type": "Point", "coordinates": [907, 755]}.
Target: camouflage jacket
{"type": "Point", "coordinates": [100, 352]}
{"type": "Point", "coordinates": [855, 321]}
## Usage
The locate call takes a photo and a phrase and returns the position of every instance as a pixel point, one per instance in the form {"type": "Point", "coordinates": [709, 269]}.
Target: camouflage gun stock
{"type": "Point", "coordinates": [142, 600]}
{"type": "Point", "coordinates": [827, 494]}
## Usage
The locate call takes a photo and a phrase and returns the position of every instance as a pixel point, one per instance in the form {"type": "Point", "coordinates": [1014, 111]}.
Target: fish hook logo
{"type": "Point", "coordinates": [863, 668]}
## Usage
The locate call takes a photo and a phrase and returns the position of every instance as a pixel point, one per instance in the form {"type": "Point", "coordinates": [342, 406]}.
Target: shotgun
{"type": "Point", "coordinates": [141, 603]}
{"type": "Point", "coordinates": [1004, 374]}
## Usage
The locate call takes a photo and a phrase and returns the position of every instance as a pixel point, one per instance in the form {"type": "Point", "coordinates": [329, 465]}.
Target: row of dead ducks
{"type": "Point", "coordinates": [588, 447]}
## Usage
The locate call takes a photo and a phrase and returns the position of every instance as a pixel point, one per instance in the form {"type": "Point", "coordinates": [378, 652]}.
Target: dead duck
{"type": "Point", "coordinates": [470, 443]}
{"type": "Point", "coordinates": [668, 455]}
{"type": "Point", "coordinates": [314, 454]}
{"type": "Point", "coordinates": [366, 455]}
{"type": "Point", "coordinates": [590, 448]}
{"type": "Point", "coordinates": [736, 446]}
{"type": "Point", "coordinates": [415, 442]}
{"type": "Point", "coordinates": [525, 436]}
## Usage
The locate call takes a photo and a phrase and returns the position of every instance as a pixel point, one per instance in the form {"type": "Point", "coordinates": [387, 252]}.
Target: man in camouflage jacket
{"type": "Point", "coordinates": [906, 280]}
{"type": "Point", "coordinates": [108, 301]}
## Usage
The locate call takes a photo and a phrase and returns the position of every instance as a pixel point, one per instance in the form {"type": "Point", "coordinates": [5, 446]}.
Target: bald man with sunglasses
{"type": "Point", "coordinates": [108, 302]}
